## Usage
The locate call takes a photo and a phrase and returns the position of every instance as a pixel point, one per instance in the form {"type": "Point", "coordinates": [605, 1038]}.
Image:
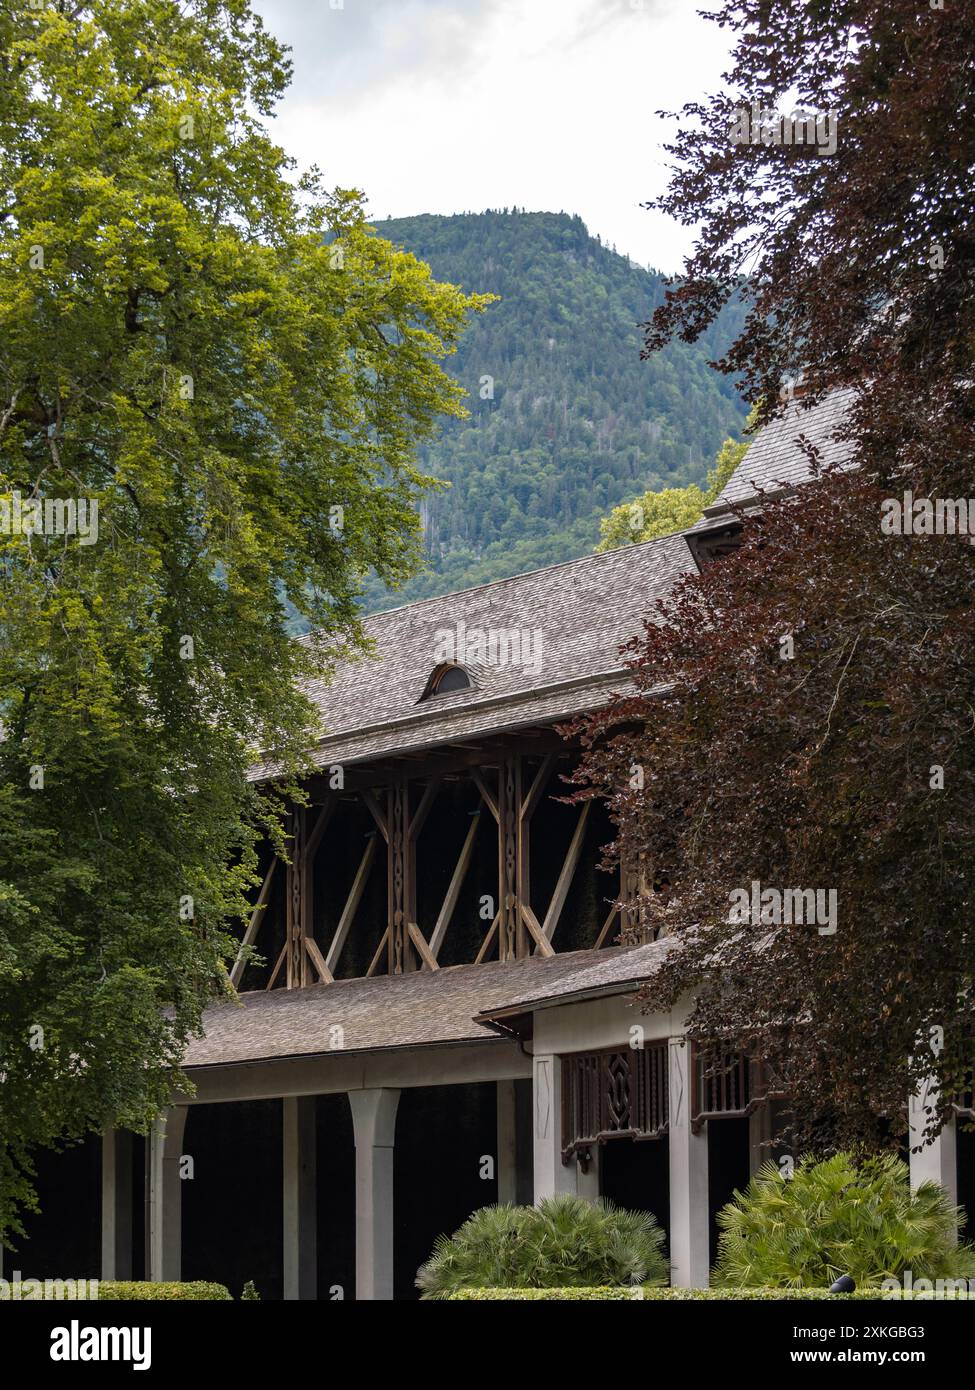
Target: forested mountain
{"type": "Point", "coordinates": [566, 420]}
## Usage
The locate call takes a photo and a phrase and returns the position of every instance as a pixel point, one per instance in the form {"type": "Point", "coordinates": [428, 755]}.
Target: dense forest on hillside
{"type": "Point", "coordinates": [565, 421]}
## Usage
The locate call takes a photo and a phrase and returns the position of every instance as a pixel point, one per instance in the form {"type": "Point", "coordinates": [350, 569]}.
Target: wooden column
{"type": "Point", "coordinates": [512, 861]}
{"type": "Point", "coordinates": [294, 903]}
{"type": "Point", "coordinates": [400, 880]}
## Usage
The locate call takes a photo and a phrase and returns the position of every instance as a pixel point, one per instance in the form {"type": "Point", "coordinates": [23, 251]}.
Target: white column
{"type": "Point", "coordinates": [116, 1204]}
{"type": "Point", "coordinates": [374, 1123]}
{"type": "Point", "coordinates": [760, 1138]}
{"type": "Point", "coordinates": [299, 1199]}
{"type": "Point", "coordinates": [587, 1184]}
{"type": "Point", "coordinates": [164, 1148]}
{"type": "Point", "coordinates": [689, 1254]}
{"type": "Point", "coordinates": [937, 1161]}
{"type": "Point", "coordinates": [551, 1174]}
{"type": "Point", "coordinates": [507, 1155]}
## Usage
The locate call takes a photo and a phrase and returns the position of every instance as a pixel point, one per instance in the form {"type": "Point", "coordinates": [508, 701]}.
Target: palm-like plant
{"type": "Point", "coordinates": [843, 1215]}
{"type": "Point", "coordinates": [565, 1242]}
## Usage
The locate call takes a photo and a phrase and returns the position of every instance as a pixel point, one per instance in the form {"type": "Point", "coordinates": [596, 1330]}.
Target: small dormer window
{"type": "Point", "coordinates": [447, 677]}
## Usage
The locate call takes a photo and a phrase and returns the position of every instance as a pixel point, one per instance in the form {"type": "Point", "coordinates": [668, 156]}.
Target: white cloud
{"type": "Point", "coordinates": [456, 105]}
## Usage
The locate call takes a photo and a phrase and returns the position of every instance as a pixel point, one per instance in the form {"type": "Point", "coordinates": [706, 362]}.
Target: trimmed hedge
{"type": "Point", "coordinates": [197, 1291]}
{"type": "Point", "coordinates": [873, 1295]}
{"type": "Point", "coordinates": [119, 1290]}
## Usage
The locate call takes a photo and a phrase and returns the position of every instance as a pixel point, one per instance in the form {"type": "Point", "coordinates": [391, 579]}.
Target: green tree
{"type": "Point", "coordinates": [235, 369]}
{"type": "Point", "coordinates": [672, 509]}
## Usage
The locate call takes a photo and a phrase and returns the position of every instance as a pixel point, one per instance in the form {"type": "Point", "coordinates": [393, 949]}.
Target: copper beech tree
{"type": "Point", "coordinates": [805, 711]}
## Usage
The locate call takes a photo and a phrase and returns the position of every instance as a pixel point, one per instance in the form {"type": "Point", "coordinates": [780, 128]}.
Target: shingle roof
{"type": "Point", "coordinates": [419, 1009]}
{"type": "Point", "coordinates": [609, 972]}
{"type": "Point", "coordinates": [775, 459]}
{"type": "Point", "coordinates": [583, 610]}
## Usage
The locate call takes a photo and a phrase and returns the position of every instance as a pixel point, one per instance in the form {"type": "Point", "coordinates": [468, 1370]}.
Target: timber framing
{"type": "Point", "coordinates": [515, 782]}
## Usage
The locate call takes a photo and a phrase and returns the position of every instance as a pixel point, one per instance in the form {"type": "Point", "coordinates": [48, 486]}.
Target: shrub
{"type": "Point", "coordinates": [565, 1242]}
{"type": "Point", "coordinates": [872, 1295]}
{"type": "Point", "coordinates": [196, 1291]}
{"type": "Point", "coordinates": [844, 1215]}
{"type": "Point", "coordinates": [124, 1290]}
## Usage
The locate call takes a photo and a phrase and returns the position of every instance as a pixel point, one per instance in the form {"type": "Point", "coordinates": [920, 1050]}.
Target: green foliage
{"type": "Point", "coordinates": [219, 357]}
{"type": "Point", "coordinates": [565, 1241]}
{"type": "Point", "coordinates": [122, 1290]}
{"type": "Point", "coordinates": [645, 1295]}
{"type": "Point", "coordinates": [249, 1293]}
{"type": "Point", "coordinates": [839, 1216]}
{"type": "Point", "coordinates": [673, 509]}
{"type": "Point", "coordinates": [652, 515]}
{"type": "Point", "coordinates": [577, 423]}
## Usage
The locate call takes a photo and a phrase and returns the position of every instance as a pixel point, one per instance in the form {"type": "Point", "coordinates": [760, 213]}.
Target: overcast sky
{"type": "Point", "coordinates": [460, 105]}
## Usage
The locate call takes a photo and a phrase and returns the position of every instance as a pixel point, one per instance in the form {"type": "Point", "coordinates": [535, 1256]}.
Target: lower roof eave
{"type": "Point", "coordinates": [487, 1039]}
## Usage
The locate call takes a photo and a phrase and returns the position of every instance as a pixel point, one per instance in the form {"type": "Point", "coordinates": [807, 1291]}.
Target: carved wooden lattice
{"type": "Point", "coordinates": [726, 1086]}
{"type": "Point", "coordinates": [613, 1095]}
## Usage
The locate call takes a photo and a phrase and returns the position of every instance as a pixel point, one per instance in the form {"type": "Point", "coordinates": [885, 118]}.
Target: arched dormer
{"type": "Point", "coordinates": [446, 678]}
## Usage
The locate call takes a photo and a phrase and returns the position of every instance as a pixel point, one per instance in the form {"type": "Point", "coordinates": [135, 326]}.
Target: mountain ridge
{"type": "Point", "coordinates": [566, 421]}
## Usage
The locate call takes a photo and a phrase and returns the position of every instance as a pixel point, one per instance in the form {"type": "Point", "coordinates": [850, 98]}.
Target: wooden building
{"type": "Point", "coordinates": [443, 1018]}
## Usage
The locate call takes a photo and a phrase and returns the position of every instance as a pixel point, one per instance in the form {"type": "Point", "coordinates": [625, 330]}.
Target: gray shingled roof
{"type": "Point", "coordinates": [419, 1009]}
{"type": "Point", "coordinates": [609, 972]}
{"type": "Point", "coordinates": [584, 611]}
{"type": "Point", "coordinates": [775, 459]}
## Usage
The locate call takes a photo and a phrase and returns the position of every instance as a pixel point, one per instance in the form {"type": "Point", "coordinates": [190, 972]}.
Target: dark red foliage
{"type": "Point", "coordinates": [820, 772]}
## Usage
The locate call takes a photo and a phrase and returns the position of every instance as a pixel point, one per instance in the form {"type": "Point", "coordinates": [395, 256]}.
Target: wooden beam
{"type": "Point", "coordinates": [423, 810]}
{"type": "Point", "coordinates": [380, 952]}
{"type": "Point", "coordinates": [512, 862]}
{"type": "Point", "coordinates": [419, 941]}
{"type": "Point", "coordinates": [296, 924]}
{"type": "Point", "coordinates": [314, 839]}
{"type": "Point", "coordinates": [318, 961]}
{"type": "Point", "coordinates": [535, 931]}
{"type": "Point", "coordinates": [277, 968]}
{"type": "Point", "coordinates": [376, 813]}
{"type": "Point", "coordinates": [351, 904]}
{"type": "Point", "coordinates": [400, 897]}
{"type": "Point", "coordinates": [489, 801]}
{"type": "Point", "coordinates": [542, 776]}
{"type": "Point", "coordinates": [613, 914]}
{"type": "Point", "coordinates": [486, 943]}
{"type": "Point", "coordinates": [565, 877]}
{"type": "Point", "coordinates": [453, 890]}
{"type": "Point", "coordinates": [254, 925]}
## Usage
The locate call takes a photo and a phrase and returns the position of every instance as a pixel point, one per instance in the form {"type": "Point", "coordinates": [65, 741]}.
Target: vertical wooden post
{"type": "Point", "coordinates": [295, 923]}
{"type": "Point", "coordinates": [400, 879]}
{"type": "Point", "coordinates": [512, 861]}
